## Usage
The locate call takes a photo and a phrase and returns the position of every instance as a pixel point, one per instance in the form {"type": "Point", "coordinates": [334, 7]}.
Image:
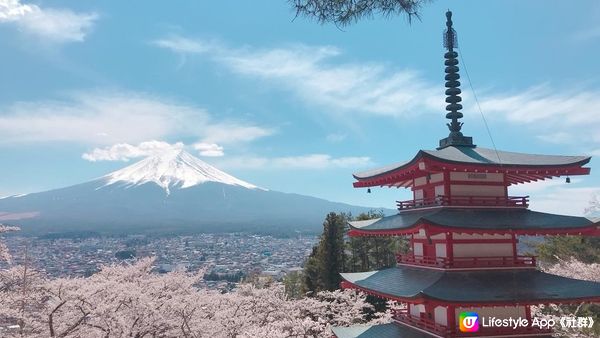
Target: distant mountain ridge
{"type": "Point", "coordinates": [171, 192]}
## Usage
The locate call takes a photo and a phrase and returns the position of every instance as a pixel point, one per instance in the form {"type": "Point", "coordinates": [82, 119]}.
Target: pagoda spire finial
{"type": "Point", "coordinates": [453, 98]}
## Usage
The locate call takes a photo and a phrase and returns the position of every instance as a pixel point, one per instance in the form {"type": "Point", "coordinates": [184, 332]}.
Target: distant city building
{"type": "Point", "coordinates": [228, 257]}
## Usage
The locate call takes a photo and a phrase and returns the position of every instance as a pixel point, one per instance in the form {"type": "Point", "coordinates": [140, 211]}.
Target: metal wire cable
{"type": "Point", "coordinates": [487, 128]}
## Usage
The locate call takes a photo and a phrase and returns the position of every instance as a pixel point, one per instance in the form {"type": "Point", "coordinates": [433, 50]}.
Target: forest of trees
{"type": "Point", "coordinates": [336, 252]}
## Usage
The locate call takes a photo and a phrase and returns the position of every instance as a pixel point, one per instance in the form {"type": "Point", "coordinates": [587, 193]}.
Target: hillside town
{"type": "Point", "coordinates": [227, 257]}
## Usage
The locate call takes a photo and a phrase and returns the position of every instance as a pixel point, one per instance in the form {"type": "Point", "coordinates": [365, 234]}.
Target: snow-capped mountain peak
{"type": "Point", "coordinates": [173, 169]}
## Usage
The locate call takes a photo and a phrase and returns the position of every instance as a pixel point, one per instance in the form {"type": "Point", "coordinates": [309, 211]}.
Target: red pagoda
{"type": "Point", "coordinates": [463, 228]}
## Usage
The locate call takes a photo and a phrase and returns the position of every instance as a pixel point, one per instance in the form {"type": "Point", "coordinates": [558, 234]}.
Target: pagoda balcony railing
{"type": "Point", "coordinates": [467, 262]}
{"type": "Point", "coordinates": [430, 325]}
{"type": "Point", "coordinates": [465, 201]}
{"type": "Point", "coordinates": [504, 332]}
{"type": "Point", "coordinates": [403, 316]}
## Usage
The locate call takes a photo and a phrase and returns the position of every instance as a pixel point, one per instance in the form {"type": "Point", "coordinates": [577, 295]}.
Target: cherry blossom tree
{"type": "Point", "coordinates": [570, 268]}
{"type": "Point", "coordinates": [593, 205]}
{"type": "Point", "coordinates": [132, 301]}
{"type": "Point", "coordinates": [135, 302]}
{"type": "Point", "coordinates": [573, 268]}
{"type": "Point", "coordinates": [4, 254]}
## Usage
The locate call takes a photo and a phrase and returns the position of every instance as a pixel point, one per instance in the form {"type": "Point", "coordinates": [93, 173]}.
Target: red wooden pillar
{"type": "Point", "coordinates": [514, 245]}
{"type": "Point", "coordinates": [429, 313]}
{"type": "Point", "coordinates": [451, 318]}
{"type": "Point", "coordinates": [447, 183]}
{"type": "Point", "coordinates": [528, 313]}
{"type": "Point", "coordinates": [450, 247]}
{"type": "Point", "coordinates": [505, 186]}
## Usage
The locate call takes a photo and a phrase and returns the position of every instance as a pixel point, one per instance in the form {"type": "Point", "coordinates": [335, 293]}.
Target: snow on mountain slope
{"type": "Point", "coordinates": [173, 169]}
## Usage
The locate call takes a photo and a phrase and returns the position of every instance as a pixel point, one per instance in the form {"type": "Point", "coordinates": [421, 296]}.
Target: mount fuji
{"type": "Point", "coordinates": [170, 192]}
{"type": "Point", "coordinates": [176, 169]}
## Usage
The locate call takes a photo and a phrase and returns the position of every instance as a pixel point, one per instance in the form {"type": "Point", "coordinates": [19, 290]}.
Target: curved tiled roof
{"type": "Point", "coordinates": [481, 156]}
{"type": "Point", "coordinates": [503, 219]}
{"type": "Point", "coordinates": [489, 286]}
{"type": "Point", "coordinates": [391, 330]}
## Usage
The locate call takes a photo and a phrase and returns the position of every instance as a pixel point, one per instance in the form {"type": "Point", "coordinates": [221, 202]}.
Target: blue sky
{"type": "Point", "coordinates": [291, 105]}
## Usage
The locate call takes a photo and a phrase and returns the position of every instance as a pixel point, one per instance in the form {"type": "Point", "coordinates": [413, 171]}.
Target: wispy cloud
{"type": "Point", "coordinates": [590, 33]}
{"type": "Point", "coordinates": [231, 132]}
{"type": "Point", "coordinates": [108, 118]}
{"type": "Point", "coordinates": [560, 137]}
{"type": "Point", "coordinates": [316, 75]}
{"type": "Point", "coordinates": [554, 199]}
{"type": "Point", "coordinates": [336, 137]}
{"type": "Point", "coordinates": [180, 44]}
{"type": "Point", "coordinates": [310, 161]}
{"type": "Point", "coordinates": [51, 24]}
{"type": "Point", "coordinates": [557, 115]}
{"type": "Point", "coordinates": [125, 152]}
{"type": "Point", "coordinates": [540, 104]}
{"type": "Point", "coordinates": [96, 118]}
{"type": "Point", "coordinates": [552, 195]}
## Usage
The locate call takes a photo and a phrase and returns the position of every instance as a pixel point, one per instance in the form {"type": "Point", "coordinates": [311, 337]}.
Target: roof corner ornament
{"type": "Point", "coordinates": [453, 98]}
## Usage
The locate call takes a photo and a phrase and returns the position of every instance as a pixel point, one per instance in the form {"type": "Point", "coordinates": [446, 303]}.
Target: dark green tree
{"type": "Point", "coordinates": [125, 254]}
{"type": "Point", "coordinates": [311, 271]}
{"type": "Point", "coordinates": [327, 260]}
{"type": "Point", "coordinates": [372, 253]}
{"type": "Point", "coordinates": [585, 249]}
{"type": "Point", "coordinates": [331, 250]}
{"type": "Point", "coordinates": [294, 285]}
{"type": "Point", "coordinates": [336, 252]}
{"type": "Point", "coordinates": [345, 12]}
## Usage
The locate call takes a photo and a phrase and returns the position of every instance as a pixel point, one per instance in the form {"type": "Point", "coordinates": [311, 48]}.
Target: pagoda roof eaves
{"type": "Point", "coordinates": [389, 330]}
{"type": "Point", "coordinates": [473, 287]}
{"type": "Point", "coordinates": [443, 219]}
{"type": "Point", "coordinates": [477, 156]}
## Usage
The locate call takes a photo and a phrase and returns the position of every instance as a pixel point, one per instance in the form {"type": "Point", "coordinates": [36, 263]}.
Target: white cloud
{"type": "Point", "coordinates": [560, 137]}
{"type": "Point", "coordinates": [125, 151]}
{"type": "Point", "coordinates": [570, 201]}
{"type": "Point", "coordinates": [209, 149]}
{"type": "Point", "coordinates": [54, 25]}
{"type": "Point", "coordinates": [316, 76]}
{"type": "Point", "coordinates": [310, 161]}
{"type": "Point", "coordinates": [180, 44]}
{"type": "Point", "coordinates": [552, 195]}
{"type": "Point", "coordinates": [336, 137]}
{"type": "Point", "coordinates": [541, 104]}
{"type": "Point", "coordinates": [540, 186]}
{"type": "Point", "coordinates": [559, 116]}
{"type": "Point", "coordinates": [96, 118]}
{"type": "Point", "coordinates": [587, 34]}
{"type": "Point", "coordinates": [107, 118]}
{"type": "Point", "coordinates": [319, 161]}
{"type": "Point", "coordinates": [234, 132]}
